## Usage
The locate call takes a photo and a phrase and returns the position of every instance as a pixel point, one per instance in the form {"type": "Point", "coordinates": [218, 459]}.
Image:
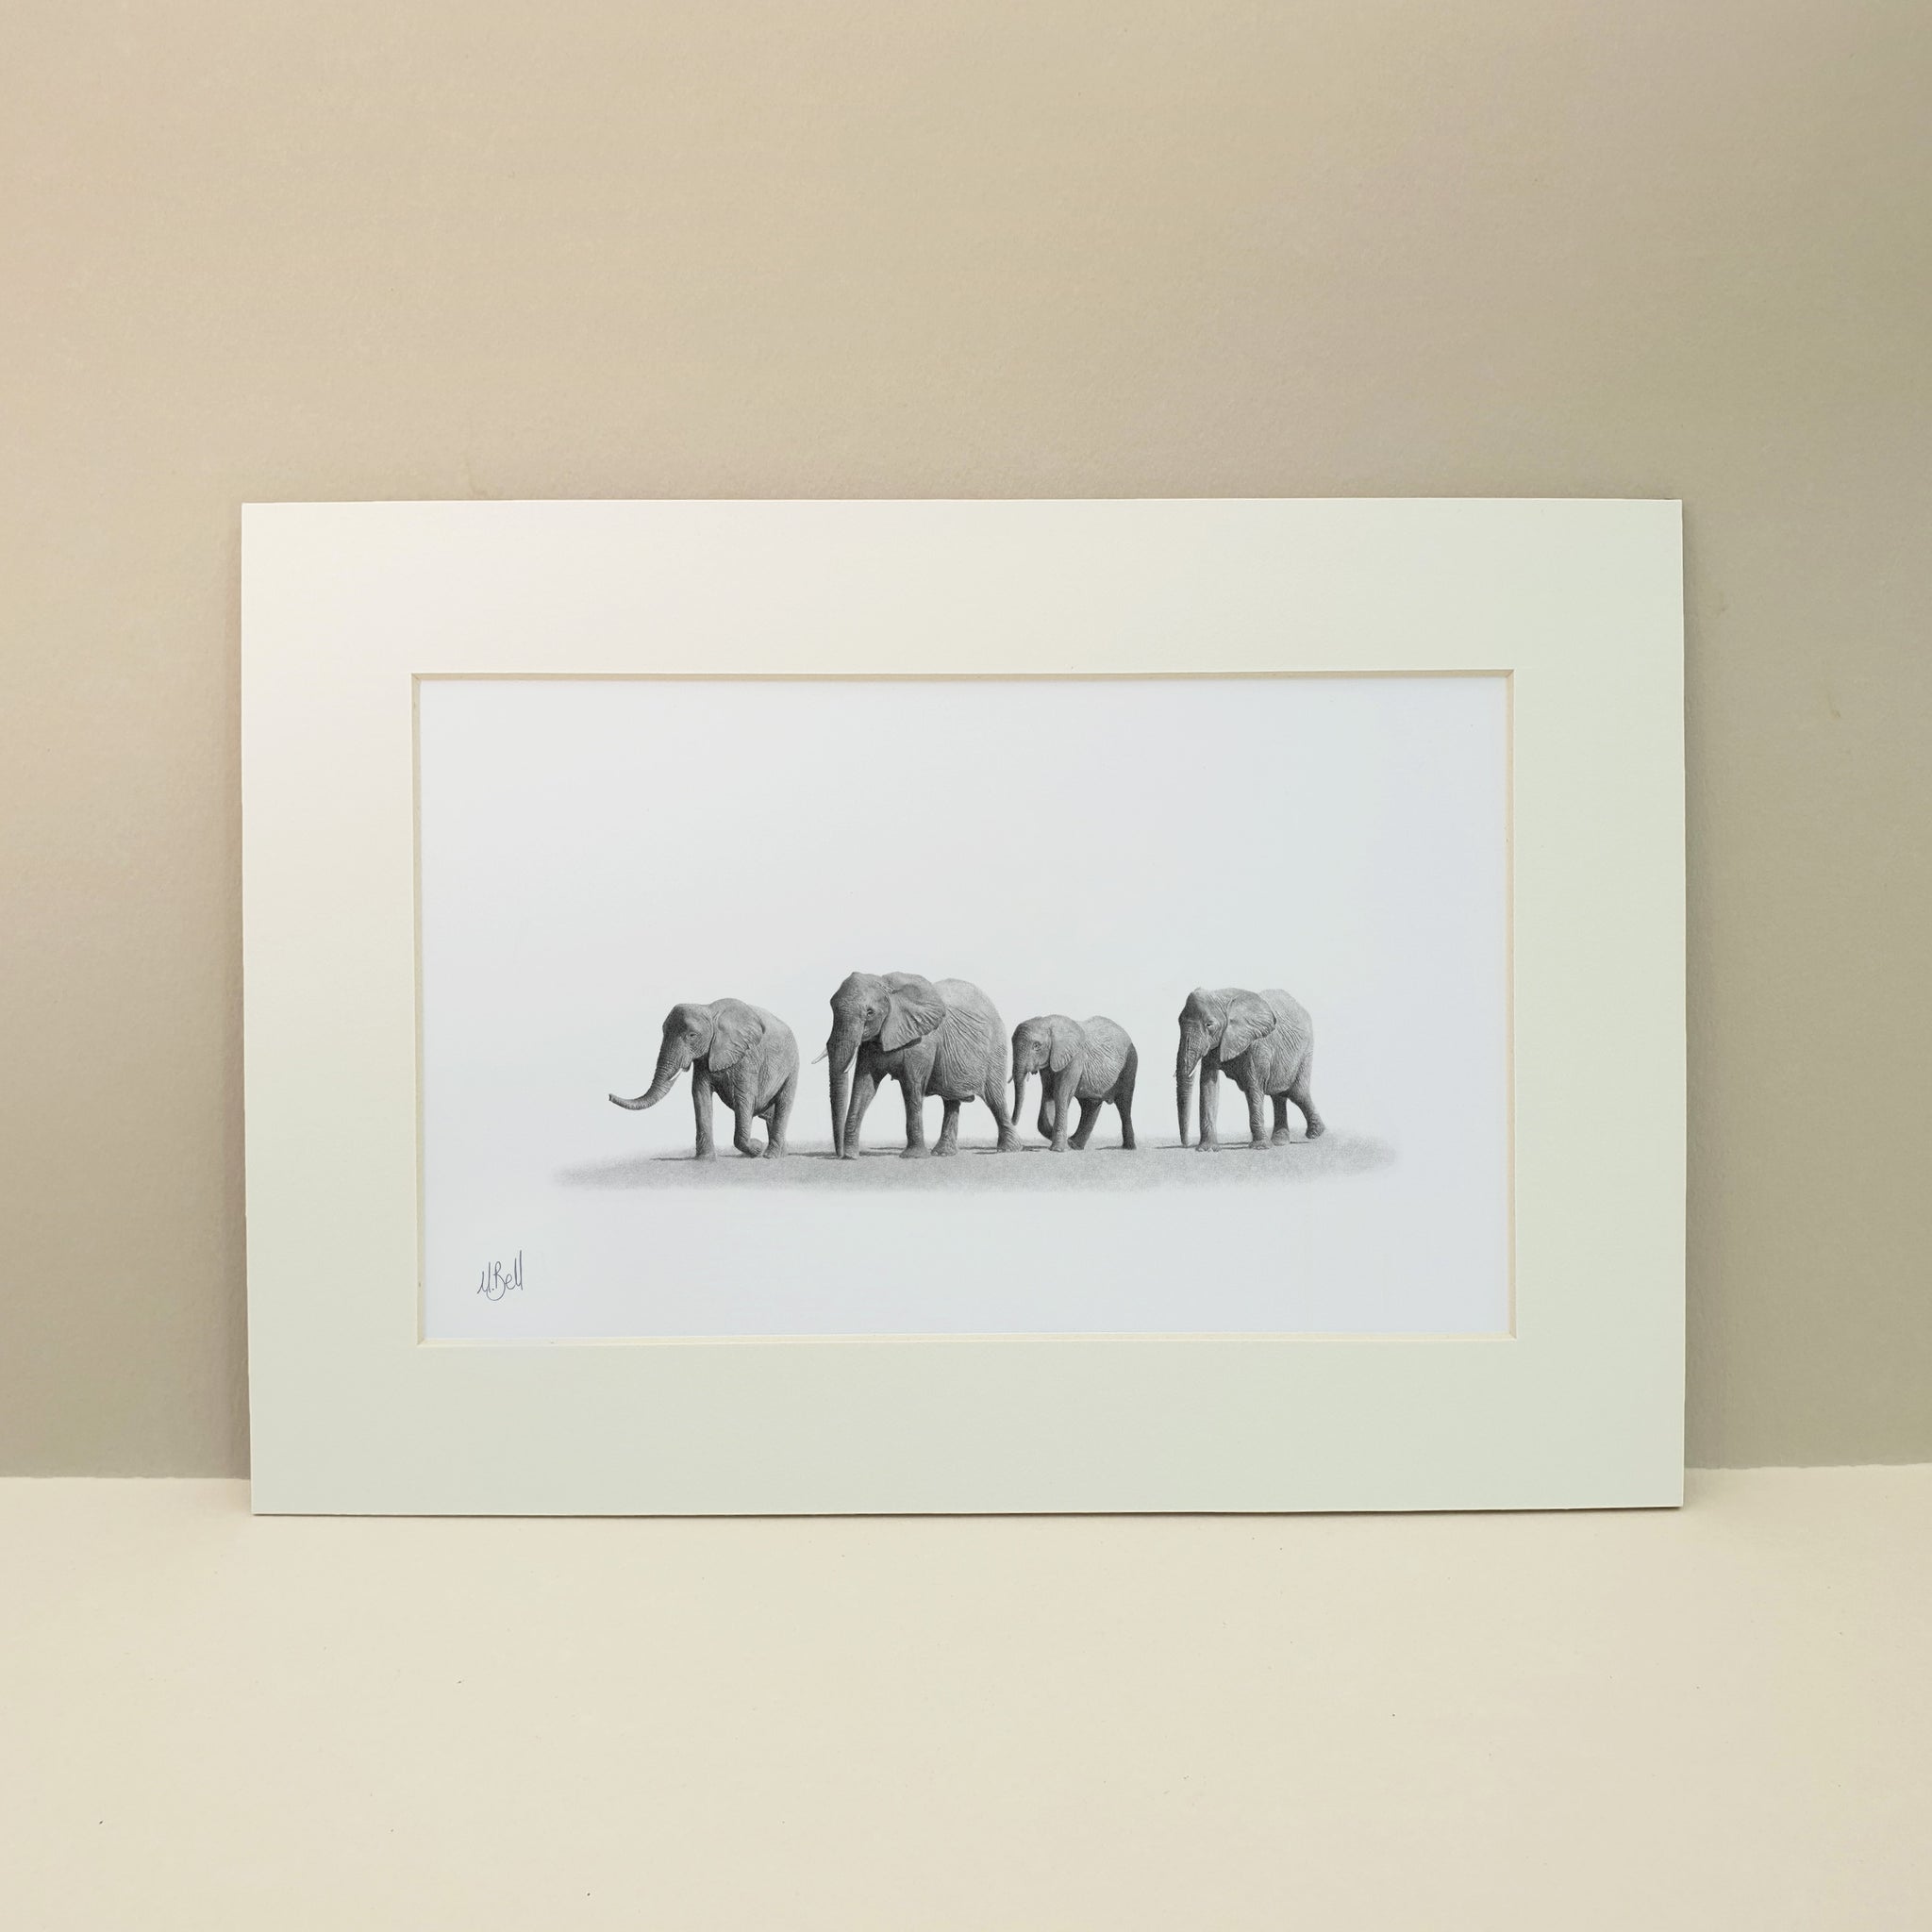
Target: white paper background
{"type": "Point", "coordinates": [594, 851]}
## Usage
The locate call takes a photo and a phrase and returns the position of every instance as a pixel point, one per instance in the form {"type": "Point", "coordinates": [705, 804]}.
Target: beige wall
{"type": "Point", "coordinates": [421, 249]}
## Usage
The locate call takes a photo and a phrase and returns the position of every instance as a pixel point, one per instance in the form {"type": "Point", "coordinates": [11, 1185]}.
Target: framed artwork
{"type": "Point", "coordinates": [836, 1006]}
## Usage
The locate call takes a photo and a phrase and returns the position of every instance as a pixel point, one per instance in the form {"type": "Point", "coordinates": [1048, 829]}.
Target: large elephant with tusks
{"type": "Point", "coordinates": [938, 1037]}
{"type": "Point", "coordinates": [743, 1055]}
{"type": "Point", "coordinates": [1264, 1043]}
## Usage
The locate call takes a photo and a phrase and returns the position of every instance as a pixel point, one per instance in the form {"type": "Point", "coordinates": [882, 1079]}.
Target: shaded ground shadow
{"type": "Point", "coordinates": [1237, 1163]}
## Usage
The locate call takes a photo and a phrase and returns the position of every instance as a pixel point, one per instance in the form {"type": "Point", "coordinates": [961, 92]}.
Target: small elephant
{"type": "Point", "coordinates": [1093, 1063]}
{"type": "Point", "coordinates": [1264, 1042]}
{"type": "Point", "coordinates": [942, 1037]}
{"type": "Point", "coordinates": [747, 1055]}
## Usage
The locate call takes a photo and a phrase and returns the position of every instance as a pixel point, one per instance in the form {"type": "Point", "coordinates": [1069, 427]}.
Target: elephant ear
{"type": "Point", "coordinates": [1065, 1043]}
{"type": "Point", "coordinates": [913, 1008]}
{"type": "Point", "coordinates": [736, 1029]}
{"type": "Point", "coordinates": [1249, 1018]}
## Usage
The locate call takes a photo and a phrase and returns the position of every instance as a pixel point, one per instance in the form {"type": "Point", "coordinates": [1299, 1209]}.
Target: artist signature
{"type": "Point", "coordinates": [499, 1277]}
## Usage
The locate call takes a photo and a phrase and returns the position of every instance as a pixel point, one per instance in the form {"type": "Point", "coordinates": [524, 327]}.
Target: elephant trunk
{"type": "Point", "coordinates": [839, 1050]}
{"type": "Point", "coordinates": [673, 1058]}
{"type": "Point", "coordinates": [1183, 1066]}
{"type": "Point", "coordinates": [1018, 1091]}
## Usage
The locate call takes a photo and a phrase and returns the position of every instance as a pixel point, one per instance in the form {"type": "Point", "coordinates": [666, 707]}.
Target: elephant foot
{"type": "Point", "coordinates": [850, 1154]}
{"type": "Point", "coordinates": [1280, 1137]}
{"type": "Point", "coordinates": [915, 1153]}
{"type": "Point", "coordinates": [1009, 1142]}
{"type": "Point", "coordinates": [945, 1148]}
{"type": "Point", "coordinates": [1316, 1130]}
{"type": "Point", "coordinates": [773, 1152]}
{"type": "Point", "coordinates": [705, 1153]}
{"type": "Point", "coordinates": [1208, 1147]}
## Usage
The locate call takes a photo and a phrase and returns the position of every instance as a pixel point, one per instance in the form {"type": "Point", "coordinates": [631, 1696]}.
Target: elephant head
{"type": "Point", "coordinates": [720, 1035]}
{"type": "Point", "coordinates": [893, 1008]}
{"type": "Point", "coordinates": [1216, 1027]}
{"type": "Point", "coordinates": [1048, 1044]}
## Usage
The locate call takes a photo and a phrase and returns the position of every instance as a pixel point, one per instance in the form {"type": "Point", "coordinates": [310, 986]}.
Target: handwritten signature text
{"type": "Point", "coordinates": [499, 1277]}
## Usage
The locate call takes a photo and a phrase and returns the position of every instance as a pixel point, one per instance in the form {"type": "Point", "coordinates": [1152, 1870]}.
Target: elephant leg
{"type": "Point", "coordinates": [743, 1115]}
{"type": "Point", "coordinates": [949, 1128]}
{"type": "Point", "coordinates": [1258, 1110]}
{"type": "Point", "coordinates": [1210, 1094]}
{"type": "Point", "coordinates": [1298, 1093]}
{"type": "Point", "coordinates": [915, 1091]}
{"type": "Point", "coordinates": [1123, 1102]}
{"type": "Point", "coordinates": [1043, 1125]}
{"type": "Point", "coordinates": [777, 1117]}
{"type": "Point", "coordinates": [1090, 1117]}
{"type": "Point", "coordinates": [995, 1094]}
{"type": "Point", "coordinates": [1063, 1106]}
{"type": "Point", "coordinates": [863, 1087]}
{"type": "Point", "coordinates": [701, 1110]}
{"type": "Point", "coordinates": [1281, 1132]}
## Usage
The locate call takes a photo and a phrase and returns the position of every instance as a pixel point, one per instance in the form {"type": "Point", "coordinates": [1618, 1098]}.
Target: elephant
{"type": "Point", "coordinates": [942, 1037]}
{"type": "Point", "coordinates": [1265, 1041]}
{"type": "Point", "coordinates": [1093, 1062]}
{"type": "Point", "coordinates": [747, 1055]}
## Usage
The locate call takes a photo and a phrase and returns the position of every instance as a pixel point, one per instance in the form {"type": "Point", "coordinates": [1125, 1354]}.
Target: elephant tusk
{"type": "Point", "coordinates": [821, 1052]}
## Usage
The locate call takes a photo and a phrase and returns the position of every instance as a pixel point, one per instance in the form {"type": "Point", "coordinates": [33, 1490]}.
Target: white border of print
{"type": "Point", "coordinates": [345, 606]}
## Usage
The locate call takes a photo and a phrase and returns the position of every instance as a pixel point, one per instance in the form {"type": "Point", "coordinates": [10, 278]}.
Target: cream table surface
{"type": "Point", "coordinates": [1720, 1717]}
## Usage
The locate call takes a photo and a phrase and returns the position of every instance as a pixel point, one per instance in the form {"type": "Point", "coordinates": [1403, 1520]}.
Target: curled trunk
{"type": "Point", "coordinates": [672, 1060]}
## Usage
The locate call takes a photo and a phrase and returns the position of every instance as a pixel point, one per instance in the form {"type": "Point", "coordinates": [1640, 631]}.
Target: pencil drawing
{"type": "Point", "coordinates": [1264, 1043]}
{"type": "Point", "coordinates": [744, 1055]}
{"type": "Point", "coordinates": [943, 1037]}
{"type": "Point", "coordinates": [1093, 1062]}
{"type": "Point", "coordinates": [1108, 1173]}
